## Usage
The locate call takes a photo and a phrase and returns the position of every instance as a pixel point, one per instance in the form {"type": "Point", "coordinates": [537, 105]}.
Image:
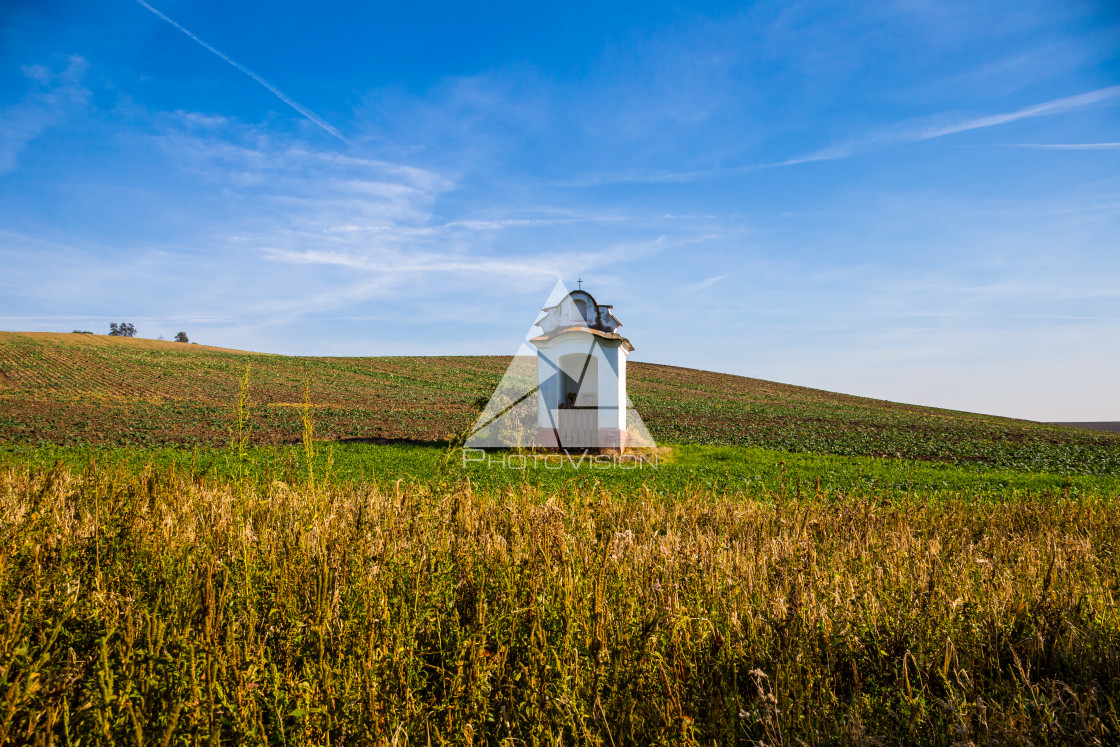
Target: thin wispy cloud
{"type": "Point", "coordinates": [40, 110]}
{"type": "Point", "coordinates": [1062, 146]}
{"type": "Point", "coordinates": [1055, 106]}
{"type": "Point", "coordinates": [433, 263]}
{"type": "Point", "coordinates": [303, 110]}
{"type": "Point", "coordinates": [645, 176]}
{"type": "Point", "coordinates": [848, 150]}
{"type": "Point", "coordinates": [706, 283]}
{"type": "Point", "coordinates": [505, 223]}
{"type": "Point", "coordinates": [356, 231]}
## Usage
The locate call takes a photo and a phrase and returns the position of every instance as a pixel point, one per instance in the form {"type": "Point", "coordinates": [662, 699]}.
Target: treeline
{"type": "Point", "coordinates": [128, 329]}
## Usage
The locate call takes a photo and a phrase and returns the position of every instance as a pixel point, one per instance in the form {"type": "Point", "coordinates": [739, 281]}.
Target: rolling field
{"type": "Point", "coordinates": [801, 567]}
{"type": "Point", "coordinates": [93, 389]}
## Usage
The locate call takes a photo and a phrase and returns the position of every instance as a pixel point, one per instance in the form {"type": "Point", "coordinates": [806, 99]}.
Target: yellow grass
{"type": "Point", "coordinates": [157, 608]}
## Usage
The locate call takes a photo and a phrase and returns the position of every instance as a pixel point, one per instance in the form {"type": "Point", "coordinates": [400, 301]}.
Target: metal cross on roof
{"type": "Point", "coordinates": [579, 285]}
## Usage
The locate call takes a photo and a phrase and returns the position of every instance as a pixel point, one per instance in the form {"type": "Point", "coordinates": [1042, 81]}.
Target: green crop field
{"type": "Point", "coordinates": [800, 567]}
{"type": "Point", "coordinates": [93, 389]}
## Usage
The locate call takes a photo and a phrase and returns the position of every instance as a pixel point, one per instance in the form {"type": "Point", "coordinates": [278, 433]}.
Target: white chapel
{"type": "Point", "coordinates": [581, 375]}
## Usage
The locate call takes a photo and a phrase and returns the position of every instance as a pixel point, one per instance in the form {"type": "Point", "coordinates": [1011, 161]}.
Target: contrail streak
{"type": "Point", "coordinates": [1057, 106]}
{"type": "Point", "coordinates": [843, 151]}
{"type": "Point", "coordinates": [275, 91]}
{"type": "Point", "coordinates": [1065, 146]}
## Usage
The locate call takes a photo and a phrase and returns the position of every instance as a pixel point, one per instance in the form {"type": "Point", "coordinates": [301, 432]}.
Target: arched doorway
{"type": "Point", "coordinates": [578, 409]}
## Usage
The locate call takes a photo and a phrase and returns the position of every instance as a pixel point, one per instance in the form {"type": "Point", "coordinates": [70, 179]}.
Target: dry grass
{"type": "Point", "coordinates": [155, 608]}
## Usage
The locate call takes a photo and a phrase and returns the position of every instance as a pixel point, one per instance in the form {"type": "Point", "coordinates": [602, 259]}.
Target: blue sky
{"type": "Point", "coordinates": [909, 200]}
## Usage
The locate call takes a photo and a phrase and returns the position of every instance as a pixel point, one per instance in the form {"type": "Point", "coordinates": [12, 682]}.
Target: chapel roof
{"type": "Point", "coordinates": [578, 311]}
